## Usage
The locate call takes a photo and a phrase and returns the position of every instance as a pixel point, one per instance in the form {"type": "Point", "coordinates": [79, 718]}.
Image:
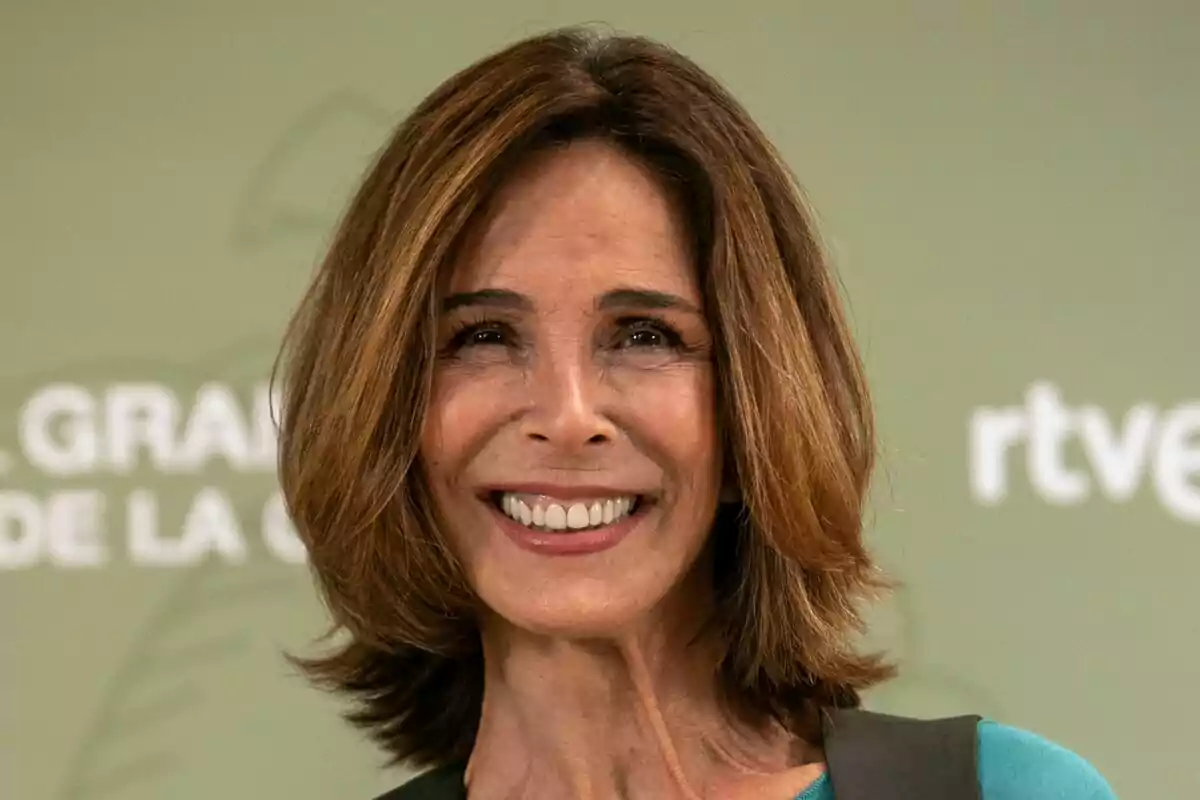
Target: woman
{"type": "Point", "coordinates": [579, 442]}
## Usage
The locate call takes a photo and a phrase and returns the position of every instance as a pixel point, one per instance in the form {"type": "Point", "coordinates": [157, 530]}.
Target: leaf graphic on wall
{"type": "Point", "coordinates": [307, 177]}
{"type": "Point", "coordinates": [161, 676]}
{"type": "Point", "coordinates": [924, 688]}
{"type": "Point", "coordinates": [158, 680]}
{"type": "Point", "coordinates": [166, 671]}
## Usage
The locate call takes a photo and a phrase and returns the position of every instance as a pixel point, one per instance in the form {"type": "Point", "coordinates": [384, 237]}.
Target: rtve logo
{"type": "Point", "coordinates": [1072, 452]}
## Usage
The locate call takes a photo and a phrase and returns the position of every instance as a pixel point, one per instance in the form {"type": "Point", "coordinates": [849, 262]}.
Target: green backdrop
{"type": "Point", "coordinates": [1008, 189]}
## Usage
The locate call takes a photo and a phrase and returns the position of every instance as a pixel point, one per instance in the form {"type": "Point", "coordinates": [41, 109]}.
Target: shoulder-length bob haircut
{"type": "Point", "coordinates": [790, 564]}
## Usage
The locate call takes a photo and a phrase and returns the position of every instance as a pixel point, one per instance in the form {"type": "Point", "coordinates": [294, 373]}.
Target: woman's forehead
{"type": "Point", "coordinates": [584, 211]}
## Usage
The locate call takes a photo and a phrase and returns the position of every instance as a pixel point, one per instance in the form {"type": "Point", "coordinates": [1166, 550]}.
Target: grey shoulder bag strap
{"type": "Point", "coordinates": [873, 756]}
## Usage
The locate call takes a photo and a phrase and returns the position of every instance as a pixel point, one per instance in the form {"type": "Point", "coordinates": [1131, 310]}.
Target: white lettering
{"type": "Point", "coordinates": [73, 525]}
{"type": "Point", "coordinates": [65, 430]}
{"type": "Point", "coordinates": [1049, 426]}
{"type": "Point", "coordinates": [145, 547]}
{"type": "Point", "coordinates": [20, 530]}
{"type": "Point", "coordinates": [279, 534]}
{"type": "Point", "coordinates": [993, 433]}
{"type": "Point", "coordinates": [210, 527]}
{"type": "Point", "coordinates": [140, 415]}
{"type": "Point", "coordinates": [1118, 457]}
{"type": "Point", "coordinates": [65, 529]}
{"type": "Point", "coordinates": [1162, 446]}
{"type": "Point", "coordinates": [57, 430]}
{"type": "Point", "coordinates": [1177, 467]}
{"type": "Point", "coordinates": [266, 432]}
{"type": "Point", "coordinates": [214, 429]}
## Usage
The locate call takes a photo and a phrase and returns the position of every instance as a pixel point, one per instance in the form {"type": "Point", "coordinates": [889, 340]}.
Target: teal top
{"type": "Point", "coordinates": [1017, 765]}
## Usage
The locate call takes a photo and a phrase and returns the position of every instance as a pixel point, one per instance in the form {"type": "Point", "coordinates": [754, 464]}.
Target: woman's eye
{"type": "Point", "coordinates": [480, 335]}
{"type": "Point", "coordinates": [487, 336]}
{"type": "Point", "coordinates": [650, 334]}
{"type": "Point", "coordinates": [645, 338]}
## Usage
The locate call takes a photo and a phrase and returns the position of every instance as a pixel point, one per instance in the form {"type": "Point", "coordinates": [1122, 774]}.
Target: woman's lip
{"type": "Point", "coordinates": [562, 492]}
{"type": "Point", "coordinates": [566, 543]}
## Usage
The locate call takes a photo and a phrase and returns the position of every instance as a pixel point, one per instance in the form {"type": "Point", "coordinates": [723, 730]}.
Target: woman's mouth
{"type": "Point", "coordinates": [539, 512]}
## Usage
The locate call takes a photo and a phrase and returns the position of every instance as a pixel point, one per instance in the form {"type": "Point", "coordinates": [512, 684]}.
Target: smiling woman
{"type": "Point", "coordinates": [575, 380]}
{"type": "Point", "coordinates": [578, 441]}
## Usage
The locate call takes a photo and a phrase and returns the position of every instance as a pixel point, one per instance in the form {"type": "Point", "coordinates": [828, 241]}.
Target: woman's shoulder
{"type": "Point", "coordinates": [1016, 764]}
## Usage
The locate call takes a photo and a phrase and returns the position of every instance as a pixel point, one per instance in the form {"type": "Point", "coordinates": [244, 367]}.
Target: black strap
{"type": "Point", "coordinates": [870, 756]}
{"type": "Point", "coordinates": [443, 783]}
{"type": "Point", "coordinates": [873, 756]}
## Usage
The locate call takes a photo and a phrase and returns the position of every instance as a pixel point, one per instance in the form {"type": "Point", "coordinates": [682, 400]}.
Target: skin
{"type": "Point", "coordinates": [571, 376]}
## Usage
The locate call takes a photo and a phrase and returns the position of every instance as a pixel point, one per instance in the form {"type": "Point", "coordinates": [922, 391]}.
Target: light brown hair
{"type": "Point", "coordinates": [790, 564]}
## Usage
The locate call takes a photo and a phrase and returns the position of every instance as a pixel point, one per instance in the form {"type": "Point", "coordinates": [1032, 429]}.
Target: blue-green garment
{"type": "Point", "coordinates": [1018, 765]}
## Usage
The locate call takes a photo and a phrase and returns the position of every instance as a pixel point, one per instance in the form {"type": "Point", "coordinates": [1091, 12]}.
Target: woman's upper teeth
{"type": "Point", "coordinates": [545, 512]}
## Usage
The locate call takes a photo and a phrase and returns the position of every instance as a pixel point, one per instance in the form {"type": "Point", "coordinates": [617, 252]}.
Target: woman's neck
{"type": "Point", "coordinates": [633, 717]}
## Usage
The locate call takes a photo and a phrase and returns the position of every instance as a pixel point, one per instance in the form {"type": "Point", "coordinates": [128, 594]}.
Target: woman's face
{"type": "Point", "coordinates": [571, 441]}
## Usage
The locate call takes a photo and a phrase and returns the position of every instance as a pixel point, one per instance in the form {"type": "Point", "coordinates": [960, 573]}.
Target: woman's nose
{"type": "Point", "coordinates": [569, 410]}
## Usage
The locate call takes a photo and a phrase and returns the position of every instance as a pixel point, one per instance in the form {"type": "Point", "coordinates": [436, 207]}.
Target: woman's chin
{"type": "Point", "coordinates": [606, 595]}
{"type": "Point", "coordinates": [592, 615]}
